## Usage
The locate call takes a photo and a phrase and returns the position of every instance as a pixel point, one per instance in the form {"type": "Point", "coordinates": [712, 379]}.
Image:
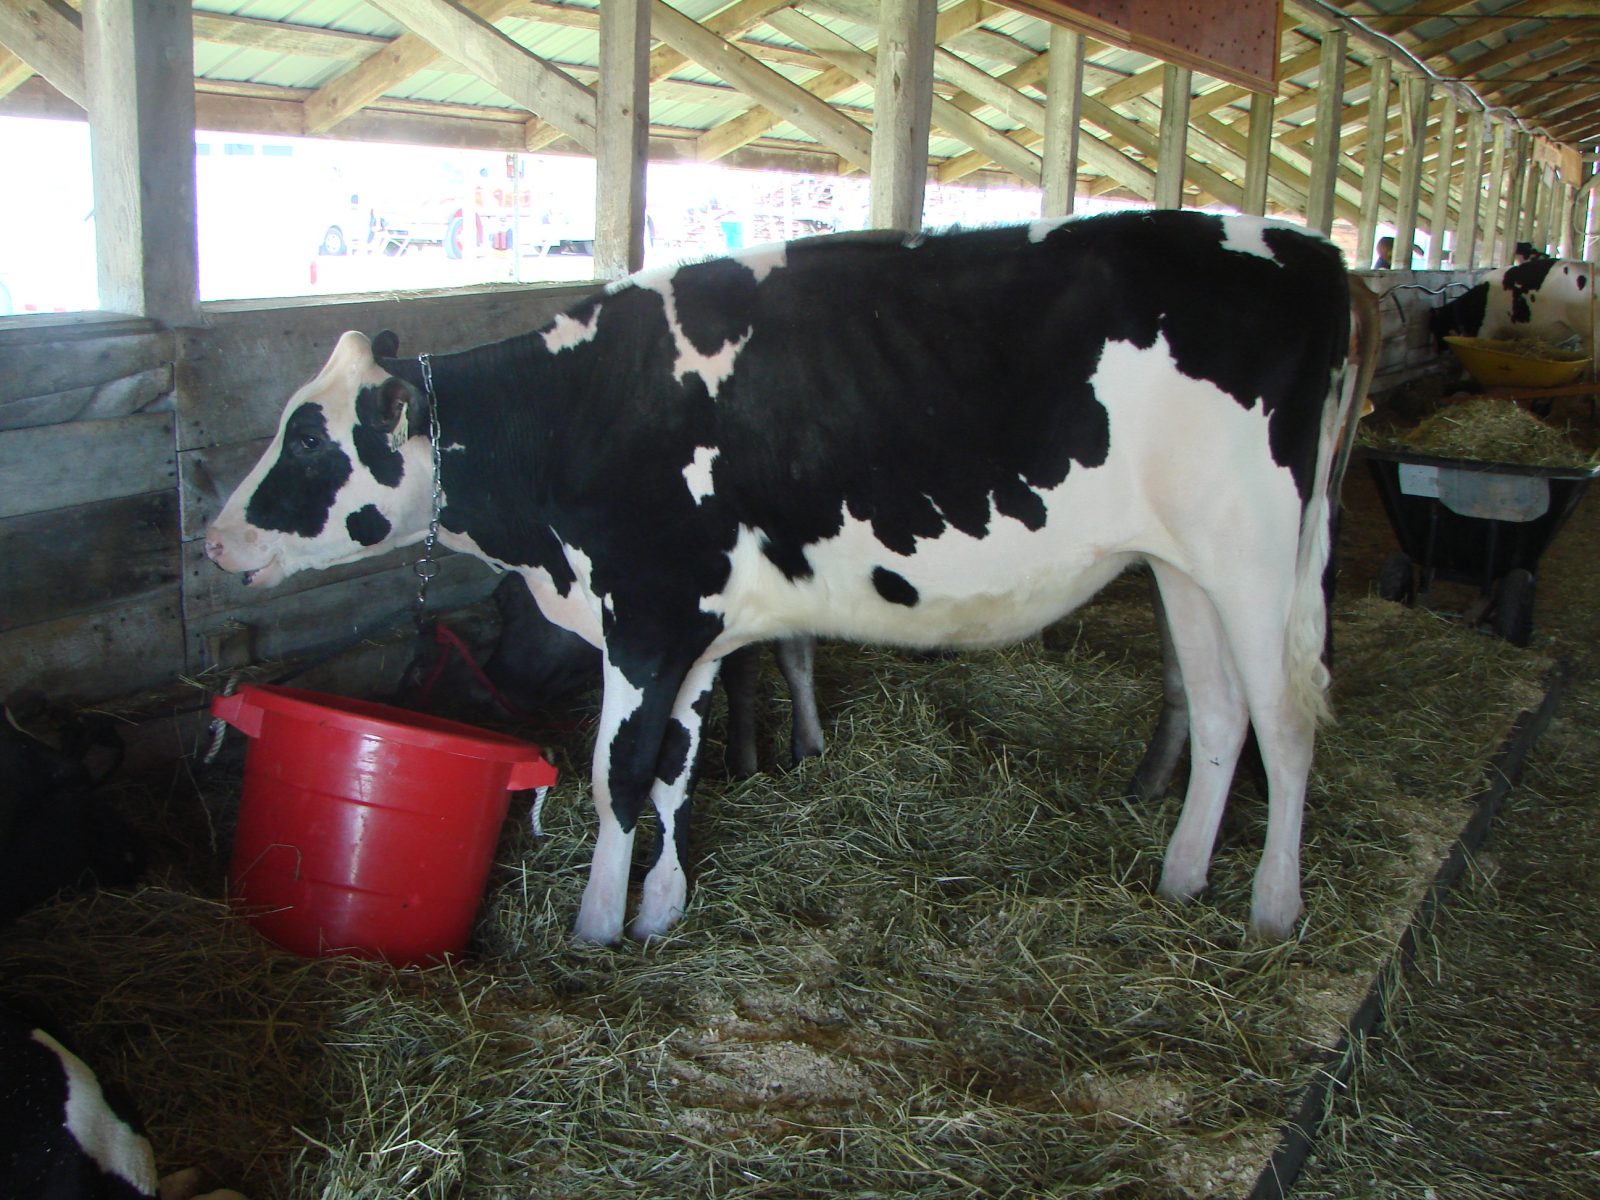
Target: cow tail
{"type": "Point", "coordinates": [1342, 411]}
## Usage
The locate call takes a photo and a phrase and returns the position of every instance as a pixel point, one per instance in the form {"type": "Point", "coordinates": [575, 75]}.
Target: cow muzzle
{"type": "Point", "coordinates": [256, 569]}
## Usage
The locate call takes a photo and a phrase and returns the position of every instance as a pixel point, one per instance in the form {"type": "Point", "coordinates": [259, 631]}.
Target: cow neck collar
{"type": "Point", "coordinates": [426, 568]}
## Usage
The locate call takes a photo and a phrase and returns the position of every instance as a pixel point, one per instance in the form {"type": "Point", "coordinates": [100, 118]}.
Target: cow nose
{"type": "Point", "coordinates": [213, 546]}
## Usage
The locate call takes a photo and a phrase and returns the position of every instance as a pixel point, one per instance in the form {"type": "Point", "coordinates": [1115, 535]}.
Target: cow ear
{"type": "Point", "coordinates": [392, 415]}
{"type": "Point", "coordinates": [386, 344]}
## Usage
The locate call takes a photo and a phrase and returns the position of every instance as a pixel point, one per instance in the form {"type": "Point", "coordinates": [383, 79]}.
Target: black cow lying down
{"type": "Point", "coordinates": [945, 440]}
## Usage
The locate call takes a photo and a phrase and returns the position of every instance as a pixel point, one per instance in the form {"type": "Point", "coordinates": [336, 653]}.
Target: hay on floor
{"type": "Point", "coordinates": [929, 964]}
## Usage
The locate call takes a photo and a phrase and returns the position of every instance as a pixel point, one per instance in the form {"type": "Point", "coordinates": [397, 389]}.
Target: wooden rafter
{"type": "Point", "coordinates": [386, 68]}
{"type": "Point", "coordinates": [49, 41]}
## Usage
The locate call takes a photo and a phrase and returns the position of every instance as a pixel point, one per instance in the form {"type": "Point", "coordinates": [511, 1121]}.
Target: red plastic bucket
{"type": "Point", "coordinates": [365, 829]}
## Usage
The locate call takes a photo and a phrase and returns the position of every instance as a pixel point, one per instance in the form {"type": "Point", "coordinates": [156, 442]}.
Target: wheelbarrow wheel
{"type": "Point", "coordinates": [1397, 581]}
{"type": "Point", "coordinates": [1513, 606]}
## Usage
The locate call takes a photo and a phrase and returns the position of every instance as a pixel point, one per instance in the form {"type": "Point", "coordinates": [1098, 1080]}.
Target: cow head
{"type": "Point", "coordinates": [348, 475]}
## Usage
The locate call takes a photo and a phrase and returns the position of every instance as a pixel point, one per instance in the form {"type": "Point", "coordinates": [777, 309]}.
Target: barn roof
{"type": "Point", "coordinates": [347, 68]}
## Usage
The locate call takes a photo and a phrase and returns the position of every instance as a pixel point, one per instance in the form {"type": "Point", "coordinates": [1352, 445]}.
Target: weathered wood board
{"type": "Point", "coordinates": [89, 558]}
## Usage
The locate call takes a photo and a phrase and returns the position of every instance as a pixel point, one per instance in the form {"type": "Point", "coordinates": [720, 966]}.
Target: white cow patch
{"type": "Point", "coordinates": [115, 1148]}
{"type": "Point", "coordinates": [763, 260]}
{"type": "Point", "coordinates": [1043, 228]}
{"type": "Point", "coordinates": [698, 473]}
{"type": "Point", "coordinates": [1248, 235]}
{"type": "Point", "coordinates": [565, 332]}
{"type": "Point", "coordinates": [714, 368]}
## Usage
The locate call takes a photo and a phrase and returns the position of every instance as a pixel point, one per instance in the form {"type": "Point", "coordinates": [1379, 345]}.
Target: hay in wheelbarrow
{"type": "Point", "coordinates": [1485, 429]}
{"type": "Point", "coordinates": [929, 964]}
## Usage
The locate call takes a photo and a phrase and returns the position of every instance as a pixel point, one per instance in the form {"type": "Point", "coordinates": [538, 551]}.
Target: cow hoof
{"type": "Point", "coordinates": [1181, 887]}
{"type": "Point", "coordinates": [589, 932]}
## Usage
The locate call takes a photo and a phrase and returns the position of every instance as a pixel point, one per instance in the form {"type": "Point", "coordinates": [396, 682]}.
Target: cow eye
{"type": "Point", "coordinates": [308, 441]}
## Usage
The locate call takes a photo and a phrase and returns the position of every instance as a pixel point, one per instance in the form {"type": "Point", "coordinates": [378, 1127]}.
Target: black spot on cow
{"type": "Point", "coordinates": [894, 587]}
{"type": "Point", "coordinates": [297, 493]}
{"type": "Point", "coordinates": [715, 301]}
{"type": "Point", "coordinates": [1017, 500]}
{"type": "Point", "coordinates": [674, 753]}
{"type": "Point", "coordinates": [1522, 281]}
{"type": "Point", "coordinates": [1461, 316]}
{"type": "Point", "coordinates": [379, 413]}
{"type": "Point", "coordinates": [367, 525]}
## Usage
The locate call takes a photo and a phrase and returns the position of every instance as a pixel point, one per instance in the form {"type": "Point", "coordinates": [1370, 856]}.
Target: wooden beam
{"type": "Point", "coordinates": [732, 21]}
{"type": "Point", "coordinates": [13, 72]}
{"type": "Point", "coordinates": [369, 79]}
{"type": "Point", "coordinates": [1172, 144]}
{"type": "Point", "coordinates": [1258, 155]}
{"type": "Point", "coordinates": [1443, 168]}
{"type": "Point", "coordinates": [902, 104]}
{"type": "Point", "coordinates": [139, 64]}
{"type": "Point", "coordinates": [622, 126]}
{"type": "Point", "coordinates": [837, 132]}
{"type": "Point", "coordinates": [1378, 91]}
{"type": "Point", "coordinates": [1330, 110]}
{"type": "Point", "coordinates": [462, 35]}
{"type": "Point", "coordinates": [1492, 224]}
{"type": "Point", "coordinates": [1414, 92]}
{"type": "Point", "coordinates": [48, 41]}
{"type": "Point", "coordinates": [284, 37]}
{"type": "Point", "coordinates": [1063, 105]}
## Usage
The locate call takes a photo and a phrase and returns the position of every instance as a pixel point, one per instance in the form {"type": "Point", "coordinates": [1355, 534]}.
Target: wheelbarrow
{"type": "Point", "coordinates": [1472, 522]}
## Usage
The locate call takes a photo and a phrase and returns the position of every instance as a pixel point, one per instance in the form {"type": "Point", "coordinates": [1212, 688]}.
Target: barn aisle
{"type": "Point", "coordinates": [1482, 1083]}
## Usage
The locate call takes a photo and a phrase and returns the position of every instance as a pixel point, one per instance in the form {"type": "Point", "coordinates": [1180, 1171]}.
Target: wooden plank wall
{"type": "Point", "coordinates": [119, 440]}
{"type": "Point", "coordinates": [90, 598]}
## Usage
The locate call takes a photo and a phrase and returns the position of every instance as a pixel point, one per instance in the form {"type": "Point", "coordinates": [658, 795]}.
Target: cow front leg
{"type": "Point", "coordinates": [628, 746]}
{"type": "Point", "coordinates": [666, 887]}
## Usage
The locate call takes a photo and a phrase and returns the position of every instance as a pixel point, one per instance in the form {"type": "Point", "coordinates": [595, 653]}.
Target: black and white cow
{"type": "Point", "coordinates": [928, 441]}
{"type": "Point", "coordinates": [64, 1135]}
{"type": "Point", "coordinates": [1549, 298]}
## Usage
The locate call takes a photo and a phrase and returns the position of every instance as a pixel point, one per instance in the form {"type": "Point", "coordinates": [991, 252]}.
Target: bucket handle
{"type": "Point", "coordinates": [535, 773]}
{"type": "Point", "coordinates": [237, 711]}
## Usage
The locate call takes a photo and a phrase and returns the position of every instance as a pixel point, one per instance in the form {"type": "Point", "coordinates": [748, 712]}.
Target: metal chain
{"type": "Point", "coordinates": [425, 567]}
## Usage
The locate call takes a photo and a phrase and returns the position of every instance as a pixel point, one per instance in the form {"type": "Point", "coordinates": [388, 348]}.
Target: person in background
{"type": "Point", "coordinates": [1383, 261]}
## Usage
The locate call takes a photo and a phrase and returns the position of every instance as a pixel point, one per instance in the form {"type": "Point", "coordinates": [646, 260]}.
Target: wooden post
{"type": "Point", "coordinates": [622, 129]}
{"type": "Point", "coordinates": [1443, 170]}
{"type": "Point", "coordinates": [1414, 93]}
{"type": "Point", "coordinates": [1493, 223]}
{"type": "Point", "coordinates": [1515, 176]}
{"type": "Point", "coordinates": [903, 108]}
{"type": "Point", "coordinates": [1172, 150]}
{"type": "Point", "coordinates": [1258, 154]}
{"type": "Point", "coordinates": [1378, 94]}
{"type": "Point", "coordinates": [139, 72]}
{"type": "Point", "coordinates": [1464, 253]}
{"type": "Point", "coordinates": [1064, 109]}
{"type": "Point", "coordinates": [1329, 120]}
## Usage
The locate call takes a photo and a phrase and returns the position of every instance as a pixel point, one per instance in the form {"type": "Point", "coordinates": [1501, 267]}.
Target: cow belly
{"type": "Point", "coordinates": [975, 595]}
{"type": "Point", "coordinates": [1189, 480]}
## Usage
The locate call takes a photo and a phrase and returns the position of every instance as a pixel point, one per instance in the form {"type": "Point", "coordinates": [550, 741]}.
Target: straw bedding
{"type": "Point", "coordinates": [930, 963]}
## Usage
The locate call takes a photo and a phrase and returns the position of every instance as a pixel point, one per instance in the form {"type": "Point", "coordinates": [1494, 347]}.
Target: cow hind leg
{"type": "Point", "coordinates": [797, 660]}
{"type": "Point", "coordinates": [666, 887]}
{"type": "Point", "coordinates": [1218, 723]}
{"type": "Point", "coordinates": [1171, 734]}
{"type": "Point", "coordinates": [740, 670]}
{"type": "Point", "coordinates": [1283, 710]}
